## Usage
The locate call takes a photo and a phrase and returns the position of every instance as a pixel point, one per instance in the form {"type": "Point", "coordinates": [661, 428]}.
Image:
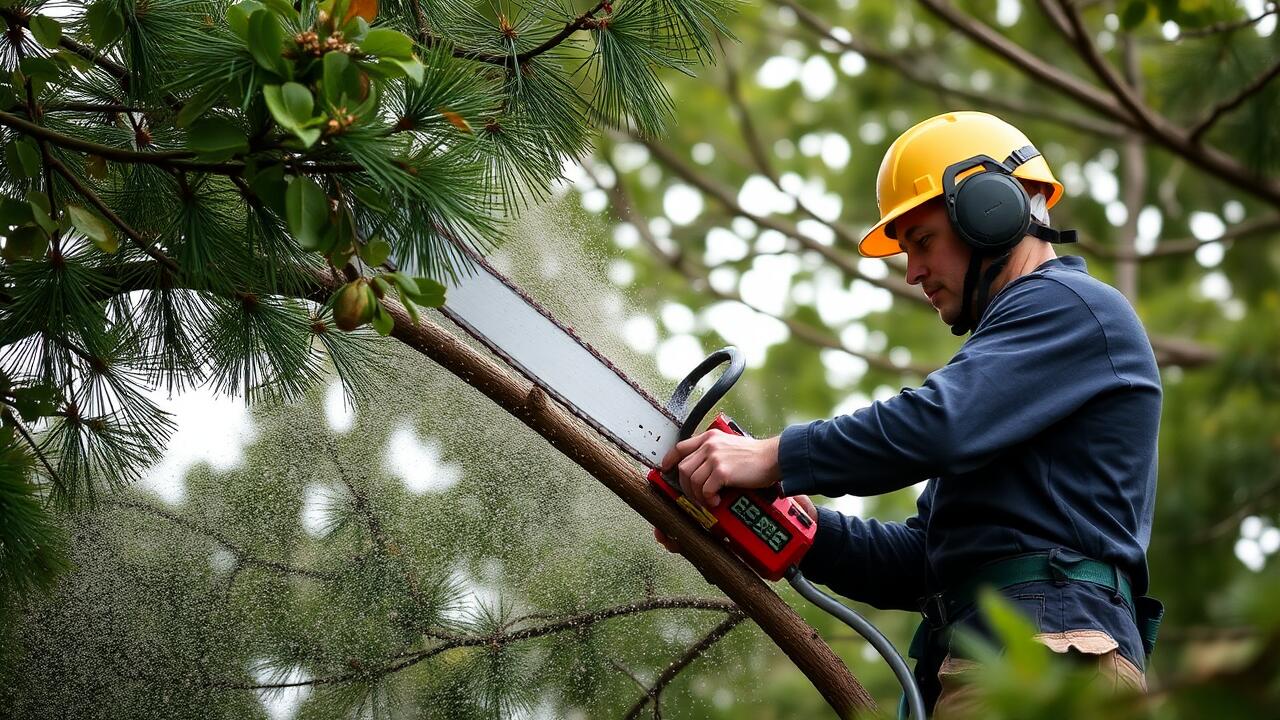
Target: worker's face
{"type": "Point", "coordinates": [937, 258]}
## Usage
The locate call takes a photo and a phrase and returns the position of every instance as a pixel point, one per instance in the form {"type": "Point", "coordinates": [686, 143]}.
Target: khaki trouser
{"type": "Point", "coordinates": [959, 699]}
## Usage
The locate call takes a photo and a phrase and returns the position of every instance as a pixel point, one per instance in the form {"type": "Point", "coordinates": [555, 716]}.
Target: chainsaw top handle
{"type": "Point", "coordinates": [680, 398]}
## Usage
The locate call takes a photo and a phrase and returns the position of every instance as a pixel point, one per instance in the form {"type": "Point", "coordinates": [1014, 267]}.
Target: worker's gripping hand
{"type": "Point", "coordinates": [672, 546]}
{"type": "Point", "coordinates": [714, 460]}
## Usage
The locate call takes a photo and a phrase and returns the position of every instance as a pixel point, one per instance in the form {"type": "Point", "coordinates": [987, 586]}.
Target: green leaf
{"type": "Point", "coordinates": [95, 228]}
{"type": "Point", "coordinates": [41, 210]}
{"type": "Point", "coordinates": [269, 185]}
{"type": "Point", "coordinates": [238, 17]}
{"type": "Point", "coordinates": [1015, 633]}
{"type": "Point", "coordinates": [307, 211]}
{"type": "Point", "coordinates": [283, 8]}
{"type": "Point", "coordinates": [217, 138]}
{"type": "Point", "coordinates": [74, 60]}
{"type": "Point", "coordinates": [198, 105]}
{"type": "Point", "coordinates": [23, 157]}
{"type": "Point", "coordinates": [372, 198]}
{"type": "Point", "coordinates": [13, 212]}
{"type": "Point", "coordinates": [291, 105]}
{"type": "Point", "coordinates": [385, 43]}
{"type": "Point", "coordinates": [382, 320]}
{"type": "Point", "coordinates": [336, 65]}
{"type": "Point", "coordinates": [266, 41]}
{"type": "Point", "coordinates": [375, 252]}
{"type": "Point", "coordinates": [430, 293]}
{"type": "Point", "coordinates": [106, 24]}
{"type": "Point", "coordinates": [402, 281]}
{"type": "Point", "coordinates": [45, 30]}
{"type": "Point", "coordinates": [27, 241]}
{"type": "Point", "coordinates": [411, 67]}
{"type": "Point", "coordinates": [1135, 11]}
{"type": "Point", "coordinates": [409, 305]}
{"type": "Point", "coordinates": [40, 68]}
{"type": "Point", "coordinates": [35, 401]}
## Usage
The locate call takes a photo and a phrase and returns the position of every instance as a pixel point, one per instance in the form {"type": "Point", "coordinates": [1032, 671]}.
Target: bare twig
{"type": "Point", "coordinates": [572, 622]}
{"type": "Point", "coordinates": [1119, 105]}
{"type": "Point", "coordinates": [1226, 25]}
{"type": "Point", "coordinates": [698, 279]}
{"type": "Point", "coordinates": [1226, 106]}
{"type": "Point", "coordinates": [726, 198]}
{"type": "Point", "coordinates": [244, 556]}
{"type": "Point", "coordinates": [88, 194]}
{"type": "Point", "coordinates": [1255, 228]}
{"type": "Point", "coordinates": [694, 652]}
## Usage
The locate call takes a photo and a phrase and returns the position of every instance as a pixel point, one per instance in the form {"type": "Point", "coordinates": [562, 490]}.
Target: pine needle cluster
{"type": "Point", "coordinates": [178, 173]}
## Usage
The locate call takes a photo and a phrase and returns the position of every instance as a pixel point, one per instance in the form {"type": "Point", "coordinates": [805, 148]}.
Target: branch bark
{"type": "Point", "coordinates": [567, 434]}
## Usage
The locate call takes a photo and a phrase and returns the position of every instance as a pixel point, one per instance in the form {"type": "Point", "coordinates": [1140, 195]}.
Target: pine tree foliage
{"type": "Point", "coordinates": [177, 172]}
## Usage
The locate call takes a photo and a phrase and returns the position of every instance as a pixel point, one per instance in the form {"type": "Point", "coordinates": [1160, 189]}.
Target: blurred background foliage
{"type": "Point", "coordinates": [315, 565]}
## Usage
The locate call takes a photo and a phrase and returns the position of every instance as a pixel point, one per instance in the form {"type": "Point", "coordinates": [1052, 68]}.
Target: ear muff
{"type": "Point", "coordinates": [989, 210]}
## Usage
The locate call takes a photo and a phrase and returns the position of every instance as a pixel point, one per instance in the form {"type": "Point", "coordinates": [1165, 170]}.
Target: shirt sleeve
{"type": "Point", "coordinates": [1039, 355]}
{"type": "Point", "coordinates": [880, 563]}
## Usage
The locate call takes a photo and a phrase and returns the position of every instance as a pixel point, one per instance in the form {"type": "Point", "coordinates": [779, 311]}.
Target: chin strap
{"type": "Point", "coordinates": [972, 308]}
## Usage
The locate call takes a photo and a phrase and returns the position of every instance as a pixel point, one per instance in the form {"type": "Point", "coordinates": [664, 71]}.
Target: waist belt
{"type": "Point", "coordinates": [1057, 566]}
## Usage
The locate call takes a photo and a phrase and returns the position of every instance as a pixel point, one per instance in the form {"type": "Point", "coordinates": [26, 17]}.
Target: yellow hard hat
{"type": "Point", "coordinates": [911, 172]}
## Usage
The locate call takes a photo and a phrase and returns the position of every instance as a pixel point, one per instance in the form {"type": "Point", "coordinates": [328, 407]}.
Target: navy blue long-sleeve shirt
{"type": "Point", "coordinates": [1040, 433]}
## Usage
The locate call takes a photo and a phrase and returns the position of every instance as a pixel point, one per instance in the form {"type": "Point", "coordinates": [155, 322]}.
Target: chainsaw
{"type": "Point", "coordinates": [767, 530]}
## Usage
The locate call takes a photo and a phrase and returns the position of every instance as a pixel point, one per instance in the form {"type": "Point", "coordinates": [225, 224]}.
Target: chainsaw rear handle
{"type": "Point", "coordinates": [680, 398]}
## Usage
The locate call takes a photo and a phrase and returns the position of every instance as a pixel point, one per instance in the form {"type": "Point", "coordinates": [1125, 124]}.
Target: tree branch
{"type": "Point", "coordinates": [244, 556]}
{"type": "Point", "coordinates": [1226, 106]}
{"type": "Point", "coordinates": [498, 640]}
{"type": "Point", "coordinates": [1226, 25]}
{"type": "Point", "coordinates": [725, 198]}
{"type": "Point", "coordinates": [1156, 127]}
{"type": "Point", "coordinates": [913, 72]}
{"type": "Point", "coordinates": [1257, 227]}
{"type": "Point", "coordinates": [1121, 89]}
{"type": "Point", "coordinates": [699, 280]}
{"type": "Point", "coordinates": [137, 238]}
{"type": "Point", "coordinates": [694, 652]}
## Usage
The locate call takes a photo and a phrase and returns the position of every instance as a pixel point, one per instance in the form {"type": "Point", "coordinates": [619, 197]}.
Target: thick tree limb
{"type": "Point", "coordinates": [915, 73]}
{"type": "Point", "coordinates": [569, 435]}
{"type": "Point", "coordinates": [1119, 107]}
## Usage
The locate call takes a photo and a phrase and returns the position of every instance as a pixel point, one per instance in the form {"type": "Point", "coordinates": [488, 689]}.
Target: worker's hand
{"type": "Point", "coordinates": [714, 460]}
{"type": "Point", "coordinates": [672, 546]}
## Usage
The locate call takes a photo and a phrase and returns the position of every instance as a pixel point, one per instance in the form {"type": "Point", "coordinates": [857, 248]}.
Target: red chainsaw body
{"type": "Point", "coordinates": [769, 531]}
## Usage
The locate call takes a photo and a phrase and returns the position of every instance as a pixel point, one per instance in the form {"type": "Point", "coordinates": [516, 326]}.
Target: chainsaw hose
{"type": "Point", "coordinates": [860, 625]}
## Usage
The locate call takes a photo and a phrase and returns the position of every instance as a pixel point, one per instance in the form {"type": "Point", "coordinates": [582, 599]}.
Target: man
{"type": "Point", "coordinates": [1037, 439]}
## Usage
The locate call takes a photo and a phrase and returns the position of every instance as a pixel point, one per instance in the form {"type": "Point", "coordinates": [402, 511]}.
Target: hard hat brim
{"type": "Point", "coordinates": [876, 243]}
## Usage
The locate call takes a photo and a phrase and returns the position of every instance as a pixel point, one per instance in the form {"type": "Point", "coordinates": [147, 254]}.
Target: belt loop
{"type": "Point", "coordinates": [1116, 597]}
